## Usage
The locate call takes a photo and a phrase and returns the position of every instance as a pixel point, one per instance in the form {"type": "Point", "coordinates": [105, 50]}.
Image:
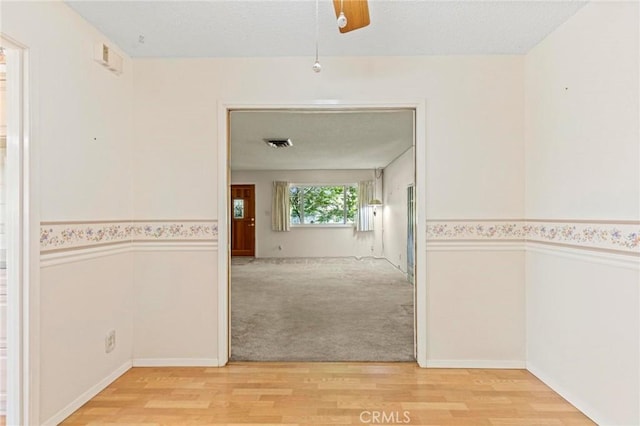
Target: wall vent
{"type": "Point", "coordinates": [278, 143]}
{"type": "Point", "coordinates": [105, 56]}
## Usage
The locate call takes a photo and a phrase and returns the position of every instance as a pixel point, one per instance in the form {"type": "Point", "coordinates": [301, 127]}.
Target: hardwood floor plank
{"type": "Point", "coordinates": [525, 422]}
{"type": "Point", "coordinates": [326, 394]}
{"type": "Point", "coordinates": [449, 406]}
{"type": "Point", "coordinates": [155, 403]}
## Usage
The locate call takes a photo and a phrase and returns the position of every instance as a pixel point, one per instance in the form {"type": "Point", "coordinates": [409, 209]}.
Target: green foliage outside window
{"type": "Point", "coordinates": [323, 204]}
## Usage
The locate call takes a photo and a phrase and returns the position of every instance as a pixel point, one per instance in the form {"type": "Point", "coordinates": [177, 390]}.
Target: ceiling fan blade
{"type": "Point", "coordinates": [356, 11]}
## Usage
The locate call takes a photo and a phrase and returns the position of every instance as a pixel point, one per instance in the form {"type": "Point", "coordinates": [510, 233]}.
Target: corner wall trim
{"type": "Point", "coordinates": [175, 362]}
{"type": "Point", "coordinates": [87, 395]}
{"type": "Point", "coordinates": [586, 409]}
{"type": "Point", "coordinates": [481, 363]}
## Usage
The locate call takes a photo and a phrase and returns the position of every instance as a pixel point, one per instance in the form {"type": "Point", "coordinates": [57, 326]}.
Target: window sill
{"type": "Point", "coordinates": [324, 225]}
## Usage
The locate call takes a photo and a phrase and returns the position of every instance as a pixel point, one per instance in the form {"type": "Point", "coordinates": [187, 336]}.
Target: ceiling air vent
{"type": "Point", "coordinates": [278, 143]}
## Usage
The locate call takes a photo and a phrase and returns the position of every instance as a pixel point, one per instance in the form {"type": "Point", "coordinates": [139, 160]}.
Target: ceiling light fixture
{"type": "Point", "coordinates": [316, 65]}
{"type": "Point", "coordinates": [375, 202]}
{"type": "Point", "coordinates": [342, 20]}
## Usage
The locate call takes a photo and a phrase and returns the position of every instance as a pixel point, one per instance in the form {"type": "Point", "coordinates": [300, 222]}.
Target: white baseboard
{"type": "Point", "coordinates": [87, 395]}
{"type": "Point", "coordinates": [175, 362]}
{"type": "Point", "coordinates": [473, 363]}
{"type": "Point", "coordinates": [586, 409]}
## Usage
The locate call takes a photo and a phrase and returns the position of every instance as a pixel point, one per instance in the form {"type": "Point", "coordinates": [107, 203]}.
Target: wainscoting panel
{"type": "Point", "coordinates": [80, 303]}
{"type": "Point", "coordinates": [484, 278]}
{"type": "Point", "coordinates": [583, 329]}
{"type": "Point", "coordinates": [175, 306]}
{"type": "Point", "coordinates": [88, 287]}
{"type": "Point", "coordinates": [476, 280]}
{"type": "Point", "coordinates": [476, 308]}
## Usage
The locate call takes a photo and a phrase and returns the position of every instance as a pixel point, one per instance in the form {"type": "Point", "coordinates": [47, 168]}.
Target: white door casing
{"type": "Point", "coordinates": [224, 258]}
{"type": "Point", "coordinates": [22, 238]}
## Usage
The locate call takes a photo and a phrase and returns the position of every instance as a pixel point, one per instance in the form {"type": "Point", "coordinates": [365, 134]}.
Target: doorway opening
{"type": "Point", "coordinates": [321, 235]}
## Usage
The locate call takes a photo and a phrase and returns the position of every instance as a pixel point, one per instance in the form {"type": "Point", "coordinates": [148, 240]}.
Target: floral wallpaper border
{"type": "Point", "coordinates": [611, 236]}
{"type": "Point", "coordinates": [476, 230]}
{"type": "Point", "coordinates": [64, 236]}
{"type": "Point", "coordinates": [619, 237]}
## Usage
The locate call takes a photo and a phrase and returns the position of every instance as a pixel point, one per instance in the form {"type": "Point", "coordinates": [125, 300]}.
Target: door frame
{"type": "Point", "coordinates": [23, 247]}
{"type": "Point", "coordinates": [224, 228]}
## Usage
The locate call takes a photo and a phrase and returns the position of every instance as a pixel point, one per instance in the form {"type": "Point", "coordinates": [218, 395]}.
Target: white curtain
{"type": "Point", "coordinates": [280, 212]}
{"type": "Point", "coordinates": [364, 220]}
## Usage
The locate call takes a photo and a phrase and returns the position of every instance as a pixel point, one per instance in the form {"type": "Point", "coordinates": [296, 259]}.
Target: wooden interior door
{"type": "Point", "coordinates": [243, 220]}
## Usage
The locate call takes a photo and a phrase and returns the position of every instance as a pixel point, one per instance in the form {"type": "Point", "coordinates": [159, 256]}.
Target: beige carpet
{"type": "Point", "coordinates": [327, 309]}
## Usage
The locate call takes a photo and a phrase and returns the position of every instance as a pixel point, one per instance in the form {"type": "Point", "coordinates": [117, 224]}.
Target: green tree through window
{"type": "Point", "coordinates": [323, 204]}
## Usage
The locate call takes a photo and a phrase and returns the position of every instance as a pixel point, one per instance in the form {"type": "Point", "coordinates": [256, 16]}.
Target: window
{"type": "Point", "coordinates": [323, 204]}
{"type": "Point", "coordinates": [238, 208]}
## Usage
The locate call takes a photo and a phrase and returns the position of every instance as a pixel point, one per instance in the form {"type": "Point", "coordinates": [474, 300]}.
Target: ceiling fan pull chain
{"type": "Point", "coordinates": [316, 65]}
{"type": "Point", "coordinates": [342, 19]}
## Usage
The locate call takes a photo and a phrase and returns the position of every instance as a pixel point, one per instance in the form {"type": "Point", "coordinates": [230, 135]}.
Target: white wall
{"type": "Point", "coordinates": [76, 100]}
{"type": "Point", "coordinates": [474, 121]}
{"type": "Point", "coordinates": [582, 151]}
{"type": "Point", "coordinates": [82, 127]}
{"type": "Point", "coordinates": [474, 158]}
{"type": "Point", "coordinates": [306, 241]}
{"type": "Point", "coordinates": [397, 176]}
{"type": "Point", "coordinates": [174, 295]}
{"type": "Point", "coordinates": [80, 303]}
{"type": "Point", "coordinates": [475, 308]}
{"type": "Point", "coordinates": [582, 334]}
{"type": "Point", "coordinates": [582, 117]}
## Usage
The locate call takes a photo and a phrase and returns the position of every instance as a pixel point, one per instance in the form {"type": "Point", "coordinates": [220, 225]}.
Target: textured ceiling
{"type": "Point", "coordinates": [241, 28]}
{"type": "Point", "coordinates": [321, 140]}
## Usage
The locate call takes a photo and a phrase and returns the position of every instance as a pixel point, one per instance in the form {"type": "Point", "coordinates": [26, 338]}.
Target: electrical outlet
{"type": "Point", "coordinates": [110, 341]}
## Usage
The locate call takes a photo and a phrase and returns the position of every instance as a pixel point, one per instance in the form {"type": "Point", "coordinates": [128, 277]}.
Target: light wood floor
{"type": "Point", "coordinates": [327, 393]}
